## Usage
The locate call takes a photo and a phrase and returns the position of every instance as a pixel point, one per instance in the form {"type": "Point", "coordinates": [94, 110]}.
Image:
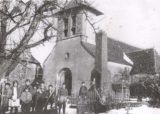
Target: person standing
{"type": "Point", "coordinates": [28, 85]}
{"type": "Point", "coordinates": [51, 94]}
{"type": "Point", "coordinates": [34, 98]}
{"type": "Point", "coordinates": [14, 102]}
{"type": "Point", "coordinates": [62, 96]}
{"type": "Point", "coordinates": [92, 97]}
{"type": "Point", "coordinates": [6, 94]}
{"type": "Point", "coordinates": [82, 103]}
{"type": "Point", "coordinates": [26, 98]}
{"type": "Point", "coordinates": [83, 91]}
{"type": "Point", "coordinates": [41, 97]}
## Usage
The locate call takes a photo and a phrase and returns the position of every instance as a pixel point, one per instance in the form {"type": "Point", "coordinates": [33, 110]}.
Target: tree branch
{"type": "Point", "coordinates": [46, 38]}
{"type": "Point", "coordinates": [30, 32]}
{"type": "Point", "coordinates": [20, 21]}
{"type": "Point", "coordinates": [92, 24]}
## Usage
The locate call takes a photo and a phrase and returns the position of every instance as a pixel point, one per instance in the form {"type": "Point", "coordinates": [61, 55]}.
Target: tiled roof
{"type": "Point", "coordinates": [31, 59]}
{"type": "Point", "coordinates": [115, 50]}
{"type": "Point", "coordinates": [34, 60]}
{"type": "Point", "coordinates": [145, 61]}
{"type": "Point", "coordinates": [27, 56]}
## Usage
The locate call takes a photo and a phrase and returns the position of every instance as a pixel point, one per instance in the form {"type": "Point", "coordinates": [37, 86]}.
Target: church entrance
{"type": "Point", "coordinates": [96, 77]}
{"type": "Point", "coordinates": [65, 76]}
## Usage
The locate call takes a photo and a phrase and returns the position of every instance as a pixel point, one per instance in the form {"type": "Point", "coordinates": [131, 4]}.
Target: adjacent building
{"type": "Point", "coordinates": [27, 68]}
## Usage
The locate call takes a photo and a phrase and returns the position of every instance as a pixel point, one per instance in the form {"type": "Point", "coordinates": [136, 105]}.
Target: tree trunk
{"type": "Point", "coordinates": [3, 37]}
{"type": "Point", "coordinates": [4, 67]}
{"type": "Point", "coordinates": [3, 28]}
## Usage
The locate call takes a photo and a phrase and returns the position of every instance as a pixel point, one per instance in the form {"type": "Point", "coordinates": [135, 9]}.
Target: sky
{"type": "Point", "coordinates": [135, 22]}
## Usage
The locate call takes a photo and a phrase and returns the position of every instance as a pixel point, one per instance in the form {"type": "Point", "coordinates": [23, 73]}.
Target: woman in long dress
{"type": "Point", "coordinates": [15, 99]}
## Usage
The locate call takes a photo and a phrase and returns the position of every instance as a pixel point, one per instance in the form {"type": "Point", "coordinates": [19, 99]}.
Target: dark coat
{"type": "Point", "coordinates": [41, 94]}
{"type": "Point", "coordinates": [62, 92]}
{"type": "Point", "coordinates": [83, 91]}
{"type": "Point", "coordinates": [29, 87]}
{"type": "Point", "coordinates": [51, 95]}
{"type": "Point", "coordinates": [7, 93]}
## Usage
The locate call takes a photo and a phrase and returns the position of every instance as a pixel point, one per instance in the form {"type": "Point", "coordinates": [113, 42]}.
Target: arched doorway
{"type": "Point", "coordinates": [96, 76]}
{"type": "Point", "coordinates": [65, 76]}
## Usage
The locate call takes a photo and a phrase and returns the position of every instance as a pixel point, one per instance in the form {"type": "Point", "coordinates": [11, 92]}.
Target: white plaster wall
{"type": "Point", "coordinates": [116, 68]}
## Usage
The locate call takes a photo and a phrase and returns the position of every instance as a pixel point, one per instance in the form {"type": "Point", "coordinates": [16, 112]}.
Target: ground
{"type": "Point", "coordinates": [144, 109]}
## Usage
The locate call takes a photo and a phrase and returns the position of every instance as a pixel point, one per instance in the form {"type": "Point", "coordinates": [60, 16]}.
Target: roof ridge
{"type": "Point", "coordinates": [115, 50]}
{"type": "Point", "coordinates": [124, 43]}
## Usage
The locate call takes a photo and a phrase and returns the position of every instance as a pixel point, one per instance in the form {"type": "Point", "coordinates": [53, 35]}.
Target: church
{"type": "Point", "coordinates": [74, 59]}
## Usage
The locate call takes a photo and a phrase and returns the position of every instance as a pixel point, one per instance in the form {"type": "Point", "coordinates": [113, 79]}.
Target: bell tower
{"type": "Point", "coordinates": [72, 19]}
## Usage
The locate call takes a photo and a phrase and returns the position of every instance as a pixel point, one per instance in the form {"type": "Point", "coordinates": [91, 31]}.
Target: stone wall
{"type": "Point", "coordinates": [23, 72]}
{"type": "Point", "coordinates": [80, 62]}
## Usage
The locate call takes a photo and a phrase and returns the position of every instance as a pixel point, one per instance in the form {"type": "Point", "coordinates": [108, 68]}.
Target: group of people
{"type": "Point", "coordinates": [30, 98]}
{"type": "Point", "coordinates": [37, 98]}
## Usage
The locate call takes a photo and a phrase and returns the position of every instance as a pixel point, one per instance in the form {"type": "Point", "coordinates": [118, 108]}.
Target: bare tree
{"type": "Point", "coordinates": [28, 17]}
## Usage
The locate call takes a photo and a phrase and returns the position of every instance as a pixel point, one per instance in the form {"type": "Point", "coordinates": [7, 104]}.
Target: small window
{"type": "Point", "coordinates": [73, 29]}
{"type": "Point", "coordinates": [74, 21]}
{"type": "Point", "coordinates": [65, 23]}
{"type": "Point", "coordinates": [65, 27]}
{"type": "Point", "coordinates": [67, 55]}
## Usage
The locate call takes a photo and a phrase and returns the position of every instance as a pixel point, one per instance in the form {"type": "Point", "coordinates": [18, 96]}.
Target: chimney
{"type": "Point", "coordinates": [101, 61]}
{"type": "Point", "coordinates": [98, 56]}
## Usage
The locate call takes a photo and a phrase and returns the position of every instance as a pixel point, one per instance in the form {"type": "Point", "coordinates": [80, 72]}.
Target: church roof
{"type": "Point", "coordinates": [28, 57]}
{"type": "Point", "coordinates": [32, 60]}
{"type": "Point", "coordinates": [145, 61]}
{"type": "Point", "coordinates": [116, 49]}
{"type": "Point", "coordinates": [82, 4]}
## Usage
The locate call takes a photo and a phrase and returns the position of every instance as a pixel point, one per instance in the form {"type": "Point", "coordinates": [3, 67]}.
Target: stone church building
{"type": "Point", "coordinates": [73, 59]}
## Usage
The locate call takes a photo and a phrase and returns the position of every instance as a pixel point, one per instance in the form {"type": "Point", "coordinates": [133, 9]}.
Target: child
{"type": "Point", "coordinates": [6, 94]}
{"type": "Point", "coordinates": [34, 98]}
{"type": "Point", "coordinates": [41, 98]}
{"type": "Point", "coordinates": [14, 102]}
{"type": "Point", "coordinates": [51, 94]}
{"type": "Point", "coordinates": [26, 99]}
